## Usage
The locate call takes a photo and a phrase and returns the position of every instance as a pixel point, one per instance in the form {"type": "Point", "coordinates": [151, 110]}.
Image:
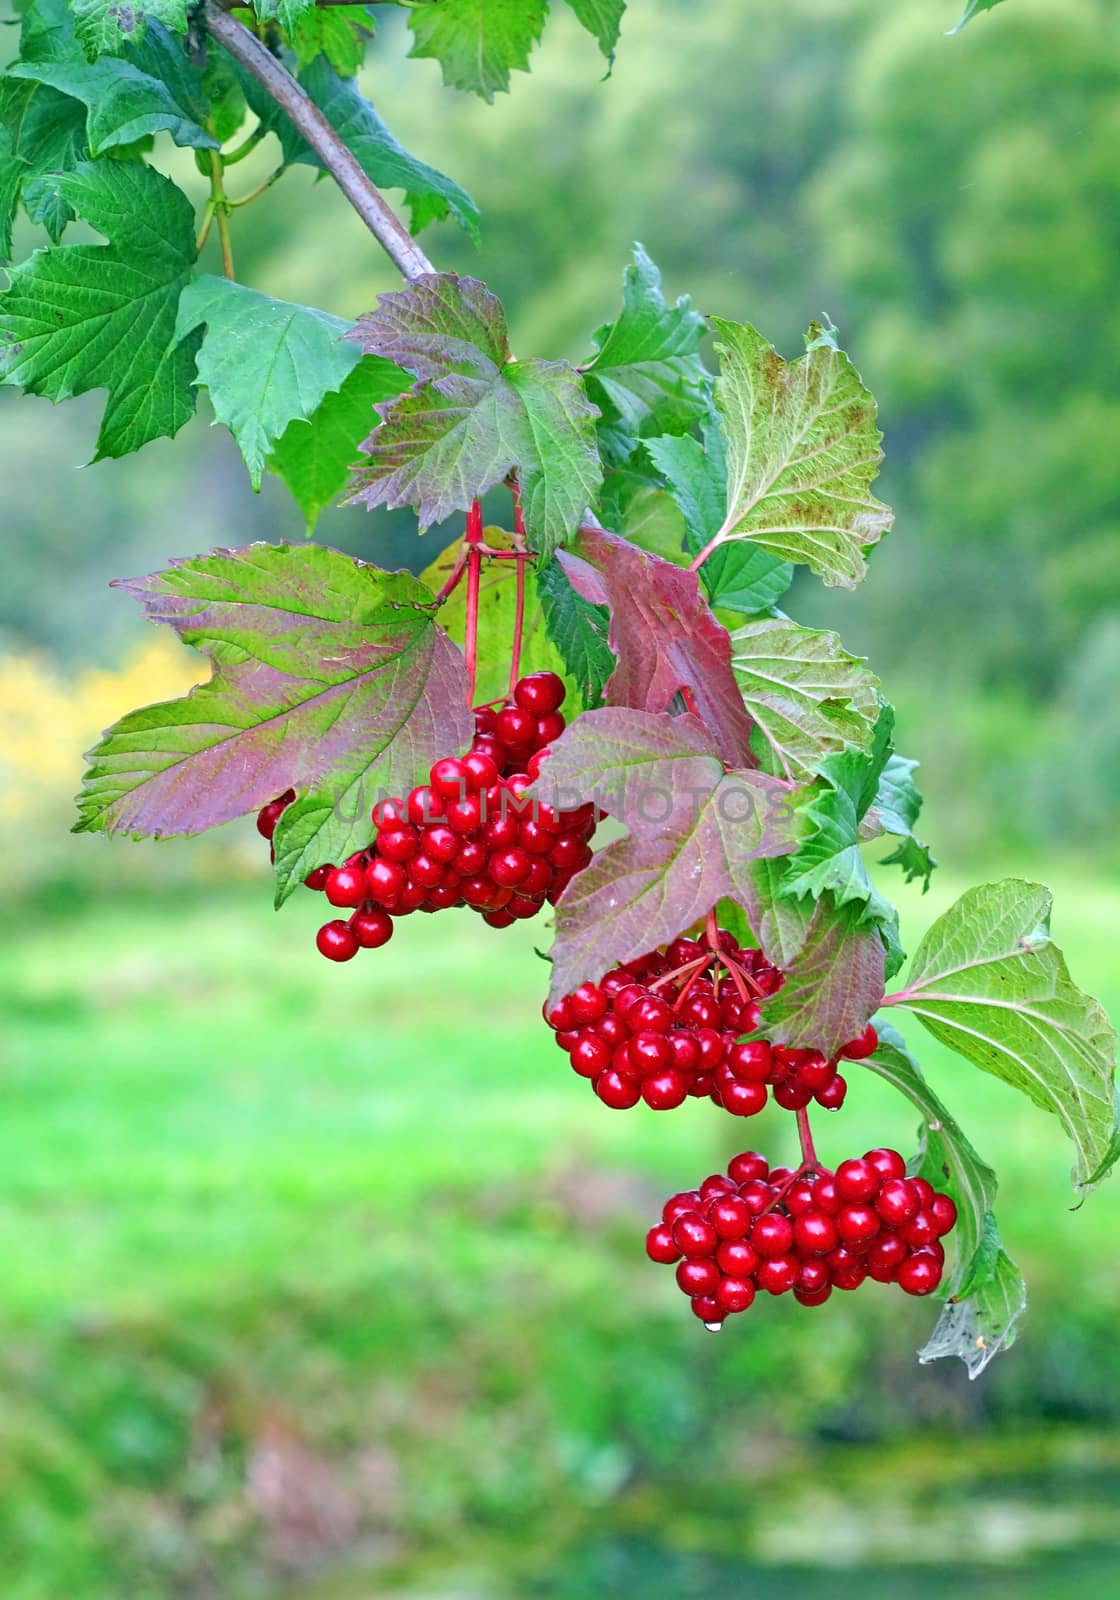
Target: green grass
{"type": "Point", "coordinates": [369, 1213]}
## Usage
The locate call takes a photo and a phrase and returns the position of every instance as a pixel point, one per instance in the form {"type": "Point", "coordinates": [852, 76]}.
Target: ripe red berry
{"type": "Point", "coordinates": [698, 1276]}
{"type": "Point", "coordinates": [317, 877]}
{"type": "Point", "coordinates": [944, 1214]}
{"type": "Point", "coordinates": [779, 1274]}
{"type": "Point", "coordinates": [751, 1061]}
{"type": "Point", "coordinates": [664, 1090]}
{"type": "Point", "coordinates": [735, 1294]}
{"type": "Point", "coordinates": [886, 1162]}
{"type": "Point", "coordinates": [832, 1096]}
{"type": "Point", "coordinates": [896, 1202]}
{"type": "Point", "coordinates": [694, 1235]}
{"type": "Point", "coordinates": [590, 1055]}
{"type": "Point", "coordinates": [920, 1273]}
{"type": "Point", "coordinates": [385, 880]}
{"type": "Point", "coordinates": [372, 928]}
{"type": "Point", "coordinates": [516, 727]}
{"type": "Point", "coordinates": [509, 867]}
{"type": "Point", "coordinates": [398, 844]}
{"type": "Point", "coordinates": [679, 1205]}
{"type": "Point", "coordinates": [743, 1099]}
{"type": "Point", "coordinates": [617, 1091]}
{"type": "Point", "coordinates": [730, 1217]}
{"type": "Point", "coordinates": [449, 778]}
{"type": "Point", "coordinates": [772, 1234]}
{"type": "Point", "coordinates": [346, 886]}
{"type": "Point", "coordinates": [660, 1245]}
{"type": "Point", "coordinates": [746, 1166]}
{"type": "Point", "coordinates": [815, 1233]}
{"type": "Point", "coordinates": [336, 941]}
{"type": "Point", "coordinates": [857, 1180]}
{"type": "Point", "coordinates": [859, 1049]}
{"type": "Point", "coordinates": [856, 1223]}
{"type": "Point", "coordinates": [539, 692]}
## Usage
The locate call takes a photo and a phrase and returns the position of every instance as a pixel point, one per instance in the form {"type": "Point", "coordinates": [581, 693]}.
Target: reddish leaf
{"type": "Point", "coordinates": [664, 635]}
{"type": "Point", "coordinates": [330, 677]}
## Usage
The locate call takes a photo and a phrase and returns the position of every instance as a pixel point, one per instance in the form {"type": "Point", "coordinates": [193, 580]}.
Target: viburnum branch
{"type": "Point", "coordinates": [366, 199]}
{"type": "Point", "coordinates": [219, 207]}
{"type": "Point", "coordinates": [518, 629]}
{"type": "Point", "coordinates": [805, 1134]}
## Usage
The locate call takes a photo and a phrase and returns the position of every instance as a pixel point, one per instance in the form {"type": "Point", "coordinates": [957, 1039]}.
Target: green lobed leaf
{"type": "Point", "coordinates": [10, 183]}
{"type": "Point", "coordinates": [988, 981]}
{"type": "Point", "coordinates": [802, 452]}
{"type": "Point", "coordinates": [737, 577]}
{"type": "Point", "coordinates": [986, 1295]}
{"type": "Point", "coordinates": [474, 414]}
{"type": "Point", "coordinates": [106, 26]}
{"type": "Point", "coordinates": [895, 811]}
{"type": "Point", "coordinates": [834, 966]}
{"type": "Point", "coordinates": [329, 676]}
{"type": "Point", "coordinates": [44, 133]}
{"type": "Point", "coordinates": [316, 456]}
{"type": "Point", "coordinates": [828, 859]}
{"type": "Point", "coordinates": [123, 102]}
{"type": "Point", "coordinates": [265, 363]}
{"type": "Point", "coordinates": [694, 830]}
{"type": "Point", "coordinates": [578, 629]}
{"type": "Point", "coordinates": [646, 376]}
{"type": "Point", "coordinates": [382, 158]}
{"type": "Point", "coordinates": [288, 13]}
{"type": "Point", "coordinates": [82, 317]}
{"type": "Point", "coordinates": [973, 9]}
{"type": "Point", "coordinates": [603, 18]}
{"type": "Point", "coordinates": [807, 696]}
{"type": "Point", "coordinates": [478, 43]}
{"type": "Point", "coordinates": [340, 33]}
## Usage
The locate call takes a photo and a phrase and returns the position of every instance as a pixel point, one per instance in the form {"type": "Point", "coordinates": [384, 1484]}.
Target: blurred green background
{"type": "Point", "coordinates": [328, 1283]}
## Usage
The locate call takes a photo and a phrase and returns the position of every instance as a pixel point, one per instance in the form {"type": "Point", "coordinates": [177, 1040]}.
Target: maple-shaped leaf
{"type": "Point", "coordinates": [603, 18]}
{"type": "Point", "coordinates": [579, 631]}
{"type": "Point", "coordinates": [339, 32]}
{"type": "Point", "coordinates": [106, 26]}
{"type": "Point", "coordinates": [895, 811]}
{"type": "Point", "coordinates": [89, 316]}
{"type": "Point", "coordinates": [155, 90]}
{"type": "Point", "coordinates": [828, 859]}
{"type": "Point", "coordinates": [380, 155]}
{"type": "Point", "coordinates": [288, 13]}
{"type": "Point", "coordinates": [988, 981]}
{"type": "Point", "coordinates": [474, 414]}
{"type": "Point", "coordinates": [646, 376]}
{"type": "Point", "coordinates": [973, 9]}
{"type": "Point", "coordinates": [478, 42]}
{"type": "Point", "coordinates": [496, 618]}
{"type": "Point", "coordinates": [316, 457]}
{"type": "Point", "coordinates": [664, 636]}
{"type": "Point", "coordinates": [802, 452]}
{"type": "Point", "coordinates": [806, 694]}
{"type": "Point", "coordinates": [736, 577]}
{"type": "Point", "coordinates": [42, 135]}
{"type": "Point", "coordinates": [694, 829]}
{"type": "Point", "coordinates": [984, 1290]}
{"type": "Point", "coordinates": [264, 362]}
{"type": "Point", "coordinates": [833, 961]}
{"type": "Point", "coordinates": [329, 677]}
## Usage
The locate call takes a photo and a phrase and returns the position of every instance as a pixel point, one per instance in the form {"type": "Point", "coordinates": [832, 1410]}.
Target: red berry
{"type": "Point", "coordinates": [385, 880]}
{"type": "Point", "coordinates": [698, 1277]}
{"type": "Point", "coordinates": [743, 1099]}
{"type": "Point", "coordinates": [539, 692]}
{"type": "Point", "coordinates": [737, 1258]}
{"type": "Point", "coordinates": [336, 941]}
{"type": "Point", "coordinates": [832, 1096]}
{"type": "Point", "coordinates": [944, 1214]}
{"type": "Point", "coordinates": [896, 1202]}
{"type": "Point", "coordinates": [587, 1003]}
{"type": "Point", "coordinates": [779, 1274]}
{"type": "Point", "coordinates": [856, 1224]}
{"type": "Point", "coordinates": [694, 1235]}
{"type": "Point", "coordinates": [617, 1091]}
{"type": "Point", "coordinates": [480, 769]}
{"type": "Point", "coordinates": [885, 1252]}
{"type": "Point", "coordinates": [590, 1055]}
{"type": "Point", "coordinates": [812, 1277]}
{"type": "Point", "coordinates": [665, 1090]}
{"type": "Point", "coordinates": [509, 867]}
{"type": "Point", "coordinates": [440, 842]}
{"type": "Point", "coordinates": [679, 1205]}
{"type": "Point", "coordinates": [424, 807]}
{"type": "Point", "coordinates": [515, 727]}
{"type": "Point", "coordinates": [857, 1180]}
{"type": "Point", "coordinates": [772, 1234]}
{"type": "Point", "coordinates": [922, 1231]}
{"type": "Point", "coordinates": [549, 728]}
{"type": "Point", "coordinates": [425, 870]}
{"type": "Point", "coordinates": [660, 1245]}
{"type": "Point", "coordinates": [920, 1273]}
{"type": "Point", "coordinates": [859, 1049]}
{"type": "Point", "coordinates": [751, 1061]}
{"type": "Point", "coordinates": [448, 778]}
{"type": "Point", "coordinates": [815, 1233]}
{"type": "Point", "coordinates": [346, 886]}
{"type": "Point", "coordinates": [746, 1166]}
{"type": "Point", "coordinates": [735, 1294]}
{"type": "Point", "coordinates": [317, 878]}
{"type": "Point", "coordinates": [886, 1162]}
{"type": "Point", "coordinates": [730, 1217]}
{"type": "Point", "coordinates": [372, 928]}
{"type": "Point", "coordinates": [708, 1309]}
{"type": "Point", "coordinates": [650, 1052]}
{"type": "Point", "coordinates": [398, 844]}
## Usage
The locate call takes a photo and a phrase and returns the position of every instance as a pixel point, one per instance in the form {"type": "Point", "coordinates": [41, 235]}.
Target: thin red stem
{"type": "Point", "coordinates": [689, 699]}
{"type": "Point", "coordinates": [518, 629]}
{"type": "Point", "coordinates": [711, 933]}
{"type": "Point", "coordinates": [474, 523]}
{"type": "Point", "coordinates": [470, 644]}
{"type": "Point", "coordinates": [805, 1134]}
{"type": "Point", "coordinates": [454, 578]}
{"type": "Point", "coordinates": [712, 544]}
{"type": "Point", "coordinates": [518, 511]}
{"type": "Point", "coordinates": [691, 967]}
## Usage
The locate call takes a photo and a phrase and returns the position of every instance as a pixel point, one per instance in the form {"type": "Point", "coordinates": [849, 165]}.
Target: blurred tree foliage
{"type": "Point", "coordinates": [949, 202]}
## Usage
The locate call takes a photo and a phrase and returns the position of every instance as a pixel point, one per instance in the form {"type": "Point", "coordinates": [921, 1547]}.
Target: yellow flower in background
{"type": "Point", "coordinates": [49, 716]}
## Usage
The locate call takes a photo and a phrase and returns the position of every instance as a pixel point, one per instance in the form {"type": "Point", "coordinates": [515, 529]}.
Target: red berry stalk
{"type": "Point", "coordinates": [807, 1232]}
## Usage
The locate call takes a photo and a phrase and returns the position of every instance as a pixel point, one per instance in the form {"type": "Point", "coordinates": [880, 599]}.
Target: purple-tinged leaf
{"type": "Point", "coordinates": [834, 980]}
{"type": "Point", "coordinates": [475, 414]}
{"type": "Point", "coordinates": [330, 677]}
{"type": "Point", "coordinates": [665, 637]}
{"type": "Point", "coordinates": [695, 831]}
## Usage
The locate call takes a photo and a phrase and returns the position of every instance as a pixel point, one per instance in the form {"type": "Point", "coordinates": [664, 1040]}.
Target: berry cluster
{"type": "Point", "coordinates": [467, 837]}
{"type": "Point", "coordinates": [667, 1026]}
{"type": "Point", "coordinates": [809, 1231]}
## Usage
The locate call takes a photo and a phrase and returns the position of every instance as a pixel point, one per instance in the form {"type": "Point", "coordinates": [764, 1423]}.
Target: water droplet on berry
{"type": "Point", "coordinates": [713, 1327]}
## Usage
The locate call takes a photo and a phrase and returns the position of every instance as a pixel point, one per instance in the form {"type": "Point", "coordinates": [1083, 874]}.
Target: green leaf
{"type": "Point", "coordinates": [11, 178]}
{"type": "Point", "coordinates": [578, 629]}
{"type": "Point", "coordinates": [478, 42]}
{"type": "Point", "coordinates": [973, 9]}
{"type": "Point", "coordinates": [475, 414]}
{"type": "Point", "coordinates": [895, 811]}
{"type": "Point", "coordinates": [221, 93]}
{"type": "Point", "coordinates": [288, 13]}
{"type": "Point", "coordinates": [82, 317]}
{"type": "Point", "coordinates": [807, 695]}
{"type": "Point", "coordinates": [316, 457]}
{"type": "Point", "coordinates": [123, 102]}
{"type": "Point", "coordinates": [264, 362]}
{"type": "Point", "coordinates": [988, 981]}
{"type": "Point", "coordinates": [497, 606]}
{"type": "Point", "coordinates": [802, 451]}
{"type": "Point", "coordinates": [986, 1295]}
{"type": "Point", "coordinates": [106, 26]}
{"type": "Point", "coordinates": [329, 676]}
{"type": "Point", "coordinates": [45, 135]}
{"type": "Point", "coordinates": [340, 33]}
{"type": "Point", "coordinates": [829, 859]}
{"type": "Point", "coordinates": [737, 577]}
{"type": "Point", "coordinates": [603, 18]}
{"type": "Point", "coordinates": [377, 152]}
{"type": "Point", "coordinates": [834, 966]}
{"type": "Point", "coordinates": [647, 376]}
